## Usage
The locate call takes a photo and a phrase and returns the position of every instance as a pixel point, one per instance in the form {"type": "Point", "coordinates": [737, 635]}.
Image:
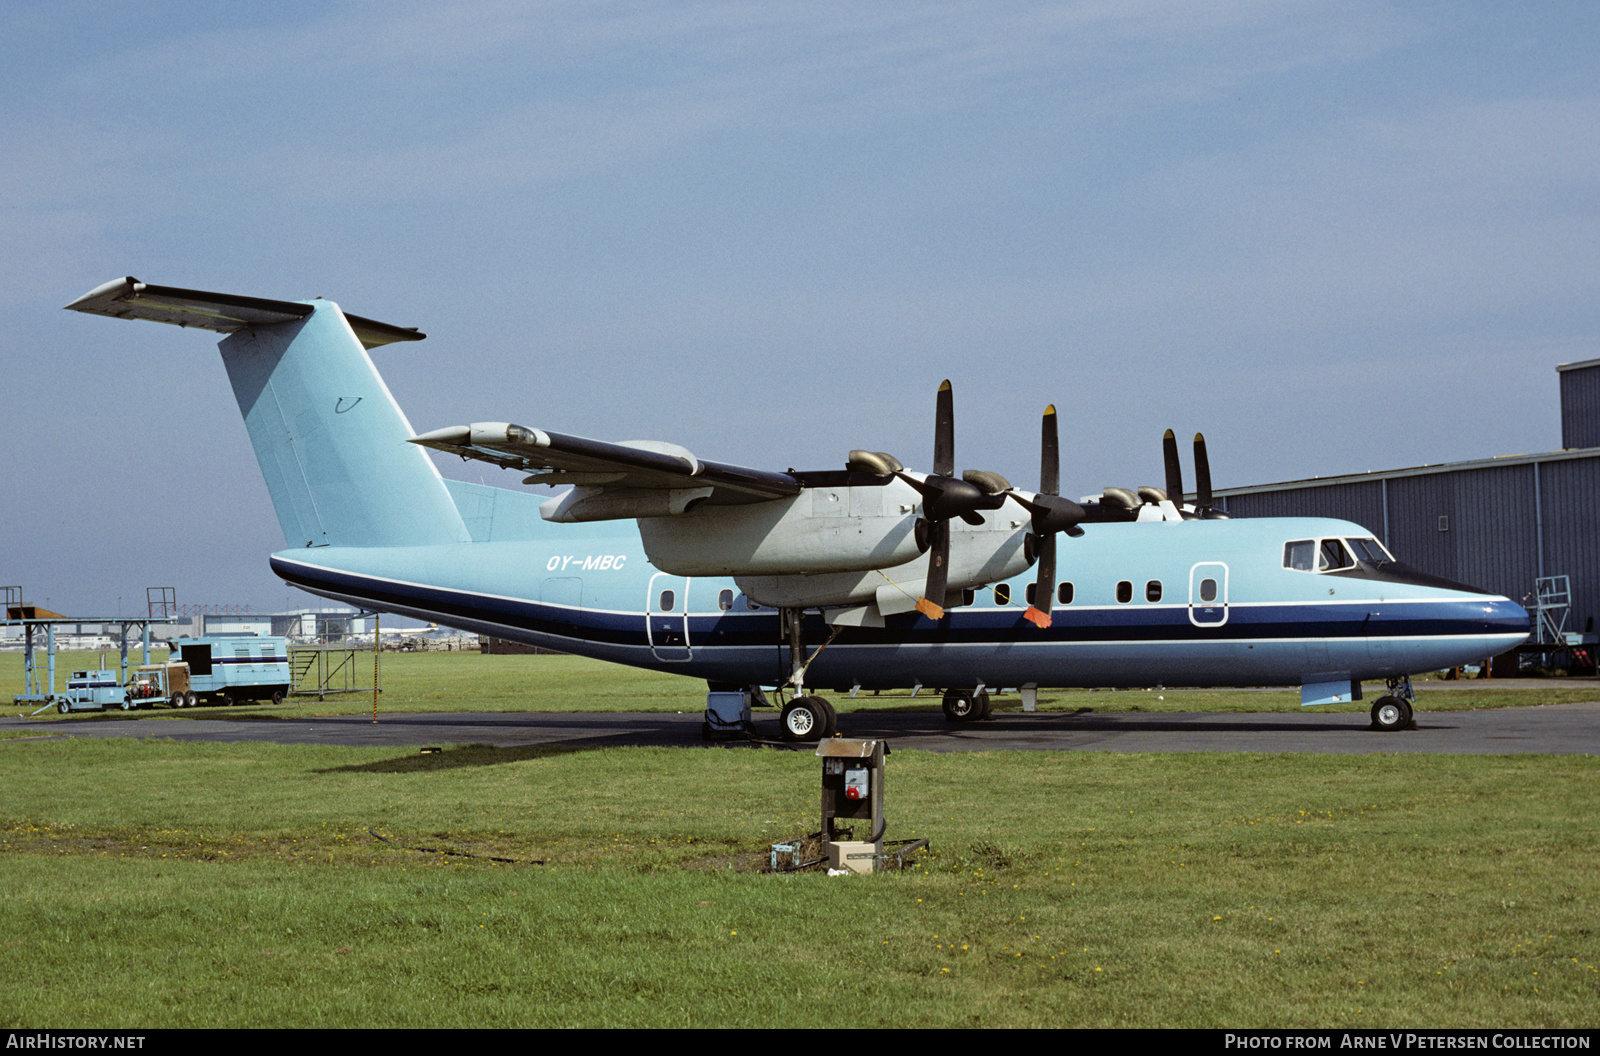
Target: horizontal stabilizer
{"type": "Point", "coordinates": [128, 298]}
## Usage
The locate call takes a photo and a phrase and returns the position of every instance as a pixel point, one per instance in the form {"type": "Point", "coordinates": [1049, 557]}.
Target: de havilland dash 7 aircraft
{"type": "Point", "coordinates": [873, 576]}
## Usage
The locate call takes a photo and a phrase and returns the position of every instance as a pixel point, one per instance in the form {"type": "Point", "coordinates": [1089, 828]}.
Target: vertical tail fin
{"type": "Point", "coordinates": [331, 441]}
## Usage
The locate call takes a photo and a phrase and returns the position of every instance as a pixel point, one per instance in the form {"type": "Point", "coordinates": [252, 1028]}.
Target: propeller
{"type": "Point", "coordinates": [1051, 514]}
{"type": "Point", "coordinates": [945, 497]}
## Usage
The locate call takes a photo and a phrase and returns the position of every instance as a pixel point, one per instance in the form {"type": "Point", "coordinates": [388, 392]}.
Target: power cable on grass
{"type": "Point", "coordinates": [459, 854]}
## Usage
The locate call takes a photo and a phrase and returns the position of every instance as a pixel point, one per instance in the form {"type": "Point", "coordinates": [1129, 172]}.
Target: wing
{"type": "Point", "coordinates": [639, 478]}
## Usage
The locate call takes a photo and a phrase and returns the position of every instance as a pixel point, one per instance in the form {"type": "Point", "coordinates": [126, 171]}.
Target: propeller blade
{"type": "Point", "coordinates": [1051, 514]}
{"type": "Point", "coordinates": [1202, 474]}
{"type": "Point", "coordinates": [1044, 585]}
{"type": "Point", "coordinates": [943, 497]}
{"type": "Point", "coordinates": [1049, 454]}
{"type": "Point", "coordinates": [944, 432]}
{"type": "Point", "coordinates": [1169, 454]}
{"type": "Point", "coordinates": [931, 602]}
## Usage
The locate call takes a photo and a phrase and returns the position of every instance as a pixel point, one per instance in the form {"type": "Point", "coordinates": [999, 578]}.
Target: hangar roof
{"type": "Point", "coordinates": [1416, 471]}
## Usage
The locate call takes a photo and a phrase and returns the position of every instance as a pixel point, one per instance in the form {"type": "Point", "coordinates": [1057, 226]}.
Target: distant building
{"type": "Point", "coordinates": [332, 624]}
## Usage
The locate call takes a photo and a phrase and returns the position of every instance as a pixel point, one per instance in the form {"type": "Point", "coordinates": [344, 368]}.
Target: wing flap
{"type": "Point", "coordinates": [559, 459]}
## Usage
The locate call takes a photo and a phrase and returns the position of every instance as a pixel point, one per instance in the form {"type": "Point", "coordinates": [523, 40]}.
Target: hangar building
{"type": "Point", "coordinates": [1501, 523]}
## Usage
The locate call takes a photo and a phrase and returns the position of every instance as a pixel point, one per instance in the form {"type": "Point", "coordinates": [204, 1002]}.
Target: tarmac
{"type": "Point", "coordinates": [1554, 729]}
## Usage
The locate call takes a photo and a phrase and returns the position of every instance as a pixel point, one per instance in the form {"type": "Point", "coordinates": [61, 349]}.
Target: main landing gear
{"type": "Point", "coordinates": [811, 718]}
{"type": "Point", "coordinates": [1393, 711]}
{"type": "Point", "coordinates": [806, 717]}
{"type": "Point", "coordinates": [966, 705]}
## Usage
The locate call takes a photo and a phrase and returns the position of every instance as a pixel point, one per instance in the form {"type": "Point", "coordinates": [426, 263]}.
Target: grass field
{"type": "Point", "coordinates": [153, 884]}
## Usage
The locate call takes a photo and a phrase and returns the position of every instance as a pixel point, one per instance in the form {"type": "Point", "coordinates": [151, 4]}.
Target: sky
{"type": "Point", "coordinates": [1333, 236]}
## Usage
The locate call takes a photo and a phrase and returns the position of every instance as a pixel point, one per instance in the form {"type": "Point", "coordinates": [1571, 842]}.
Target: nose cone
{"type": "Point", "coordinates": [1504, 616]}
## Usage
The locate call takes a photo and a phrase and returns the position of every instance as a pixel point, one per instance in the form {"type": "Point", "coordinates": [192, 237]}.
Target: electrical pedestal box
{"type": "Point", "coordinates": [852, 790]}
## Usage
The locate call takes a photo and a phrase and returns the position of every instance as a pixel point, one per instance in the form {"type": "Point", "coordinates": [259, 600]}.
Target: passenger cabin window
{"type": "Point", "coordinates": [1208, 590]}
{"type": "Point", "coordinates": [1064, 593]}
{"type": "Point", "coordinates": [1152, 590]}
{"type": "Point", "coordinates": [1031, 592]}
{"type": "Point", "coordinates": [1124, 592]}
{"type": "Point", "coordinates": [1002, 594]}
{"type": "Point", "coordinates": [725, 600]}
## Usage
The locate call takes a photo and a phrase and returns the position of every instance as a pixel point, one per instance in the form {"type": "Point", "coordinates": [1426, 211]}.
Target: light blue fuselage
{"type": "Point", "coordinates": [590, 590]}
{"type": "Point", "coordinates": [370, 521]}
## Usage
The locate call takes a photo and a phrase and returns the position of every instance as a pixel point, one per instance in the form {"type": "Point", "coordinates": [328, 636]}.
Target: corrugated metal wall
{"type": "Point", "coordinates": [1580, 404]}
{"type": "Point", "coordinates": [1571, 504]}
{"type": "Point", "coordinates": [1360, 502]}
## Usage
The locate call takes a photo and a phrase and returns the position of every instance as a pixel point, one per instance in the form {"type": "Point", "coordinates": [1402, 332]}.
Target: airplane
{"type": "Point", "coordinates": [869, 577]}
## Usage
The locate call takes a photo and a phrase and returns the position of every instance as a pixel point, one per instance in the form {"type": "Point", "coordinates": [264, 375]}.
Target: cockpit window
{"type": "Point", "coordinates": [1334, 556]}
{"type": "Point", "coordinates": [1371, 551]}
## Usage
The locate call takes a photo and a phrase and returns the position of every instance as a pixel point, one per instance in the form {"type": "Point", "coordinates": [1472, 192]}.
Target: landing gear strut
{"type": "Point", "coordinates": [1393, 712]}
{"type": "Point", "coordinates": [806, 717]}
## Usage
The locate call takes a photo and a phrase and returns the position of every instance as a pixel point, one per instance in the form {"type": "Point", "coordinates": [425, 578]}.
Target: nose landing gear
{"type": "Point", "coordinates": [1393, 711]}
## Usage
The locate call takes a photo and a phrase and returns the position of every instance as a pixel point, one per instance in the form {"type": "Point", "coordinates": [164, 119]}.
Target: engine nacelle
{"type": "Point", "coordinates": [986, 554]}
{"type": "Point", "coordinates": [822, 530]}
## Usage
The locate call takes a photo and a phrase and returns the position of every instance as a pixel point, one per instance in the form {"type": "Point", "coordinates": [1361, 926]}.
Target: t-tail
{"type": "Point", "coordinates": [330, 438]}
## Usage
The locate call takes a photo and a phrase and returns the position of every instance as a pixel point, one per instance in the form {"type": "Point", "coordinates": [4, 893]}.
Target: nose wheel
{"type": "Point", "coordinates": [1393, 712]}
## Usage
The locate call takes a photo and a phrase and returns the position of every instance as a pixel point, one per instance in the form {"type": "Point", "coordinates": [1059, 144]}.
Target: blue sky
{"type": "Point", "coordinates": [1333, 236]}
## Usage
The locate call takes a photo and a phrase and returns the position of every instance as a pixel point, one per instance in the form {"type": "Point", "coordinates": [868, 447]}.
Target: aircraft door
{"type": "Point", "coordinates": [1208, 594]}
{"type": "Point", "coordinates": [667, 617]}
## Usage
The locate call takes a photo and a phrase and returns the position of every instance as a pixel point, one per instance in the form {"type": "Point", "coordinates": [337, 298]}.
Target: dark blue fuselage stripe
{"type": "Point", "coordinates": [1444, 618]}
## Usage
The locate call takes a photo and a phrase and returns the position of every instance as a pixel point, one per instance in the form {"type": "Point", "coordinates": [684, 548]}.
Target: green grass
{"type": "Point", "coordinates": [451, 682]}
{"type": "Point", "coordinates": [152, 884]}
{"type": "Point", "coordinates": [155, 885]}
